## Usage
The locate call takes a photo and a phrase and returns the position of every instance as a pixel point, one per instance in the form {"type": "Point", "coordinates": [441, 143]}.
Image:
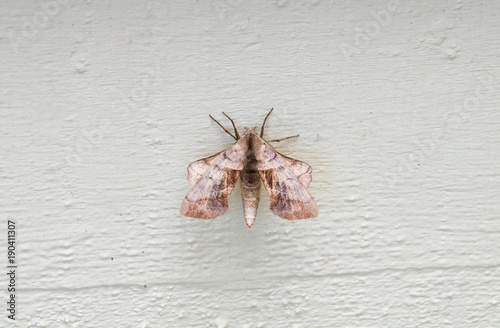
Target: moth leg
{"type": "Point", "coordinates": [278, 140]}
{"type": "Point", "coordinates": [234, 126]}
{"type": "Point", "coordinates": [263, 124]}
{"type": "Point", "coordinates": [223, 128]}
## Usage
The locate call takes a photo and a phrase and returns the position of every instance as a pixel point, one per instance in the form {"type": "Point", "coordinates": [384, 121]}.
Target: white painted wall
{"type": "Point", "coordinates": [105, 103]}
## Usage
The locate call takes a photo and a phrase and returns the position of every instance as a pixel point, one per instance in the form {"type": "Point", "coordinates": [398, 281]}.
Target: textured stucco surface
{"type": "Point", "coordinates": [105, 103]}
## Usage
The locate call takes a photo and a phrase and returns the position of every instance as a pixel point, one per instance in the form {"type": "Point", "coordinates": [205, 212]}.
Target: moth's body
{"type": "Point", "coordinates": [250, 188]}
{"type": "Point", "coordinates": [251, 159]}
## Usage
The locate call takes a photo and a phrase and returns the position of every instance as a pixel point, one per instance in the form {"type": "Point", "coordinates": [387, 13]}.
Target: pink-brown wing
{"type": "Point", "coordinates": [302, 170]}
{"type": "Point", "coordinates": [209, 196]}
{"type": "Point", "coordinates": [197, 170]}
{"type": "Point", "coordinates": [289, 197]}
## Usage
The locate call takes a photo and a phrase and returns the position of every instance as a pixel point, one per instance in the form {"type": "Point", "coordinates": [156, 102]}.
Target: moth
{"type": "Point", "coordinates": [252, 159]}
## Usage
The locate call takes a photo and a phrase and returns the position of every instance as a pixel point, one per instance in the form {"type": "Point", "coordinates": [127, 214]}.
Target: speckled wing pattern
{"type": "Point", "coordinates": [302, 171]}
{"type": "Point", "coordinates": [286, 181]}
{"type": "Point", "coordinates": [197, 170]}
{"type": "Point", "coordinates": [213, 179]}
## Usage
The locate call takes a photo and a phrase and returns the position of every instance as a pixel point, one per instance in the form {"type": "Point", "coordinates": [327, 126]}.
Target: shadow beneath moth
{"type": "Point", "coordinates": [251, 159]}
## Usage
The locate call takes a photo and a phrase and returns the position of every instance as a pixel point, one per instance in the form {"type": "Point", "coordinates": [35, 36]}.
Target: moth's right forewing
{"type": "Point", "coordinates": [209, 197]}
{"type": "Point", "coordinates": [288, 194]}
{"type": "Point", "coordinates": [302, 170]}
{"type": "Point", "coordinates": [289, 198]}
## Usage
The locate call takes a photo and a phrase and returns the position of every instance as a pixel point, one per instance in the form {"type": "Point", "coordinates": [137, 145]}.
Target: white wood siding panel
{"type": "Point", "coordinates": [105, 103]}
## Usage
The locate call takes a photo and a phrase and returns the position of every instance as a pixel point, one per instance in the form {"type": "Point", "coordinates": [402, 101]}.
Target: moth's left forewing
{"type": "Point", "coordinates": [289, 197]}
{"type": "Point", "coordinates": [197, 169]}
{"type": "Point", "coordinates": [208, 198]}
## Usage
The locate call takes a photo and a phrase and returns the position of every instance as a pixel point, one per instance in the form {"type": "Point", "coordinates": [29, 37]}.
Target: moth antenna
{"type": "Point", "coordinates": [278, 140]}
{"type": "Point", "coordinates": [263, 124]}
{"type": "Point", "coordinates": [223, 128]}
{"type": "Point", "coordinates": [234, 126]}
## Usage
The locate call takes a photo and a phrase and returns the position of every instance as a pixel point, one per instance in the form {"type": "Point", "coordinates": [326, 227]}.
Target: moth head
{"type": "Point", "coordinates": [248, 129]}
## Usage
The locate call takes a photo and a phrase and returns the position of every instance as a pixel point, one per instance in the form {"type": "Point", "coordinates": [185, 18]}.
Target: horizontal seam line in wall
{"type": "Point", "coordinates": [342, 274]}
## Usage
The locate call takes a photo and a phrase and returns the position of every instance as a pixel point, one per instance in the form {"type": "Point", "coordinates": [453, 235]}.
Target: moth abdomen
{"type": "Point", "coordinates": [250, 194]}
